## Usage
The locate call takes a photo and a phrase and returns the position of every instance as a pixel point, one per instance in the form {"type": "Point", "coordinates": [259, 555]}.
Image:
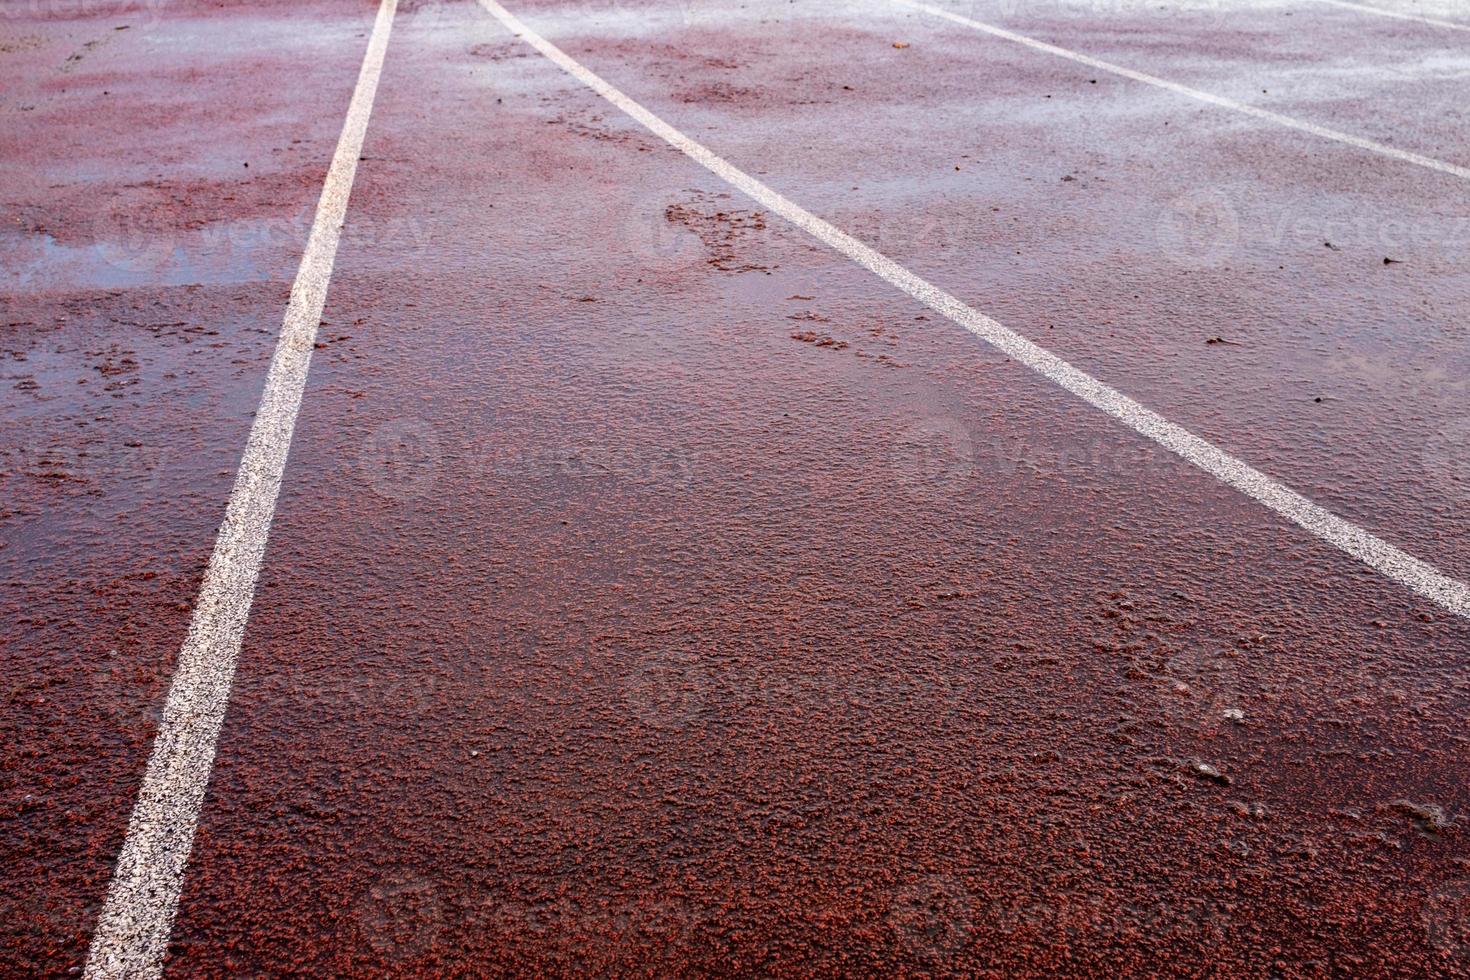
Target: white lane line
{"type": "Point", "coordinates": [134, 926]}
{"type": "Point", "coordinates": [1432, 21]}
{"type": "Point", "coordinates": [1402, 567]}
{"type": "Point", "coordinates": [1337, 136]}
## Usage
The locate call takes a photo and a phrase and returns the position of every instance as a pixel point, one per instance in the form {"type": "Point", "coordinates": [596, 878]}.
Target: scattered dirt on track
{"type": "Point", "coordinates": [719, 230]}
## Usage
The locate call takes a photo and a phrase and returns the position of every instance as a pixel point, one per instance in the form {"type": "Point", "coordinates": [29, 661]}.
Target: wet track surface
{"type": "Point", "coordinates": [653, 590]}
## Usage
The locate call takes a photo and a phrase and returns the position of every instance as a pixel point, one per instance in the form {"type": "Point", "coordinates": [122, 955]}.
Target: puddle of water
{"type": "Point", "coordinates": [40, 263]}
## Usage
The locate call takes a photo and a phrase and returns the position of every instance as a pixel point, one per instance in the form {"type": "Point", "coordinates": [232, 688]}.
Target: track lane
{"type": "Point", "coordinates": [144, 269]}
{"type": "Point", "coordinates": [799, 673]}
{"type": "Point", "coordinates": [1209, 98]}
{"type": "Point", "coordinates": [1127, 235]}
{"type": "Point", "coordinates": [134, 924]}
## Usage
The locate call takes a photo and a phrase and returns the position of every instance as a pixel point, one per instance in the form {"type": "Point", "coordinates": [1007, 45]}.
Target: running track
{"type": "Point", "coordinates": [798, 489]}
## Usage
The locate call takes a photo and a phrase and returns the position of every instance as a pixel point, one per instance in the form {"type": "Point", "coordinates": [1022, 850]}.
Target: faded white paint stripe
{"type": "Point", "coordinates": [134, 926]}
{"type": "Point", "coordinates": [1245, 108]}
{"type": "Point", "coordinates": [1417, 575]}
{"type": "Point", "coordinates": [1383, 12]}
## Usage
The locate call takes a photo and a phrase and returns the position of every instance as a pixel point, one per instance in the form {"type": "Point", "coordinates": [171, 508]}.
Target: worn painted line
{"type": "Point", "coordinates": [1244, 108]}
{"type": "Point", "coordinates": [1399, 15]}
